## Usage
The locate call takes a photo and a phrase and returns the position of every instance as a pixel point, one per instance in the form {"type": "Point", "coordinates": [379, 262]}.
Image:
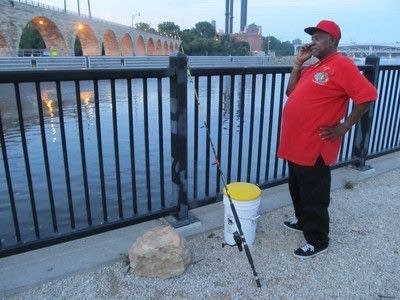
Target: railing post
{"type": "Point", "coordinates": [363, 127]}
{"type": "Point", "coordinates": [178, 96]}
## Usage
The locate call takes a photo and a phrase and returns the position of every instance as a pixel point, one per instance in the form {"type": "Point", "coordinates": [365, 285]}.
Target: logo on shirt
{"type": "Point", "coordinates": [321, 77]}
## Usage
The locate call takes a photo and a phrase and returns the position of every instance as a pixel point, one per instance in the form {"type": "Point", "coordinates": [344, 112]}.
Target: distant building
{"type": "Point", "coordinates": [251, 35]}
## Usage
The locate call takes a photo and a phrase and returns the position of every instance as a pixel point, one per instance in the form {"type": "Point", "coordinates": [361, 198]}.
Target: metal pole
{"type": "Point", "coordinates": [65, 6]}
{"type": "Point", "coordinates": [363, 127]}
{"type": "Point", "coordinates": [90, 12]}
{"type": "Point", "coordinates": [243, 15]}
{"type": "Point", "coordinates": [79, 9]}
{"type": "Point", "coordinates": [231, 17]}
{"type": "Point", "coordinates": [227, 16]}
{"type": "Point", "coordinates": [178, 95]}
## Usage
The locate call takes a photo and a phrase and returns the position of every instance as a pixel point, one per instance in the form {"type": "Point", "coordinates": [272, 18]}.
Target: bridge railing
{"type": "Point", "coordinates": [114, 62]}
{"type": "Point", "coordinates": [84, 151]}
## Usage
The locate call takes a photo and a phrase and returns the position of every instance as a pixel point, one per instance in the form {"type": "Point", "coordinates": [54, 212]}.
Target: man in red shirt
{"type": "Point", "coordinates": [312, 130]}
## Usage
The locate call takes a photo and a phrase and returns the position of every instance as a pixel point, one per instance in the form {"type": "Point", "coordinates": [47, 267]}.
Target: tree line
{"type": "Point", "coordinates": [202, 39]}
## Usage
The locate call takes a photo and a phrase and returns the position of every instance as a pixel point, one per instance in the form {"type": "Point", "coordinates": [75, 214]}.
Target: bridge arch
{"type": "Point", "coordinates": [88, 39]}
{"type": "Point", "coordinates": [3, 45]}
{"type": "Point", "coordinates": [110, 43]}
{"type": "Point", "coordinates": [140, 49]}
{"type": "Point", "coordinates": [150, 47]}
{"type": "Point", "coordinates": [166, 48]}
{"type": "Point", "coordinates": [159, 50]}
{"type": "Point", "coordinates": [50, 33]}
{"type": "Point", "coordinates": [171, 47]}
{"type": "Point", "coordinates": [126, 45]}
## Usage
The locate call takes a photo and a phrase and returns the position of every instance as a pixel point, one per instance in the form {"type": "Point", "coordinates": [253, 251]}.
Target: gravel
{"type": "Point", "coordinates": [362, 262]}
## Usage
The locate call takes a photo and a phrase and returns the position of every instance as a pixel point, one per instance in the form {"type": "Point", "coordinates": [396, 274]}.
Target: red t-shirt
{"type": "Point", "coordinates": [320, 98]}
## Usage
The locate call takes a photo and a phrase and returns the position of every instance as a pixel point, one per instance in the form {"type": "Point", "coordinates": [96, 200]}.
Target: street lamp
{"type": "Point", "coordinates": [133, 17]}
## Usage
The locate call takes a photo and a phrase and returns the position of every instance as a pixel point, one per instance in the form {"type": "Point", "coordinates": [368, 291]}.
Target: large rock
{"type": "Point", "coordinates": [160, 252]}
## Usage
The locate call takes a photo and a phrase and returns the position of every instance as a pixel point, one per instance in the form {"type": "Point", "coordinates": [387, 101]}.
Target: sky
{"type": "Point", "coordinates": [361, 21]}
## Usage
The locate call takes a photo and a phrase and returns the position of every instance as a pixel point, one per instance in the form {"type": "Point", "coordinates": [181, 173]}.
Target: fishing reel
{"type": "Point", "coordinates": [238, 241]}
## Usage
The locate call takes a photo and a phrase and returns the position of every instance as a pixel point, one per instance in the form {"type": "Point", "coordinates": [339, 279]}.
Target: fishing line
{"type": "Point", "coordinates": [238, 235]}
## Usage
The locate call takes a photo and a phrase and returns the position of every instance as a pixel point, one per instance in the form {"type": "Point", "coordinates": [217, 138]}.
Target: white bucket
{"type": "Point", "coordinates": [246, 199]}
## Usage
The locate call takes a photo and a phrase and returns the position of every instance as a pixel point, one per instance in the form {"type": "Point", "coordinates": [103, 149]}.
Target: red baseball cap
{"type": "Point", "coordinates": [327, 26]}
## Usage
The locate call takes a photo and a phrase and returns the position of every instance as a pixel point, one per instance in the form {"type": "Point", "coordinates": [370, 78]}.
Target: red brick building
{"type": "Point", "coordinates": [251, 35]}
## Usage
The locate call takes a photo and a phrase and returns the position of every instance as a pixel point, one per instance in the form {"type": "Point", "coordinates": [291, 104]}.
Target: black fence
{"type": "Point", "coordinates": [137, 147]}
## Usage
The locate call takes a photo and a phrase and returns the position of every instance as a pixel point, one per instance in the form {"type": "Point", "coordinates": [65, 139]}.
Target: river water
{"type": "Point", "coordinates": [14, 149]}
{"type": "Point", "coordinates": [50, 110]}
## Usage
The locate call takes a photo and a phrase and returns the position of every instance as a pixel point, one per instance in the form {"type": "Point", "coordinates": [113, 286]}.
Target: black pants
{"type": "Point", "coordinates": [310, 191]}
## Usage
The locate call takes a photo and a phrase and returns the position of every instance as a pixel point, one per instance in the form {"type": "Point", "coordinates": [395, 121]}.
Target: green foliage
{"type": "Point", "coordinates": [145, 27]}
{"type": "Point", "coordinates": [205, 29]}
{"type": "Point", "coordinates": [31, 39]}
{"type": "Point", "coordinates": [233, 47]}
{"type": "Point", "coordinates": [202, 40]}
{"type": "Point", "coordinates": [272, 44]}
{"type": "Point", "coordinates": [348, 185]}
{"type": "Point", "coordinates": [169, 28]}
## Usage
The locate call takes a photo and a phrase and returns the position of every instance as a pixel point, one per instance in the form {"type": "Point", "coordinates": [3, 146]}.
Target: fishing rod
{"type": "Point", "coordinates": [238, 235]}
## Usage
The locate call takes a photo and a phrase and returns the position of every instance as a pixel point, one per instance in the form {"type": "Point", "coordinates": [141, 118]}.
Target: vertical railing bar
{"type": "Point", "coordinates": [390, 124]}
{"type": "Point", "coordinates": [9, 182]}
{"type": "Point", "coordinates": [396, 130]}
{"type": "Point", "coordinates": [381, 109]}
{"type": "Point", "coordinates": [389, 89]}
{"type": "Point", "coordinates": [375, 124]}
{"type": "Point", "coordinates": [65, 154]}
{"type": "Point", "coordinates": [343, 140]}
{"type": "Point", "coordinates": [100, 149]}
{"type": "Point", "coordinates": [46, 156]}
{"type": "Point", "coordinates": [82, 149]}
{"type": "Point", "coordinates": [132, 147]}
{"type": "Point", "coordinates": [161, 142]}
{"type": "Point", "coordinates": [384, 109]}
{"type": "Point", "coordinates": [284, 168]}
{"type": "Point", "coordinates": [208, 116]}
{"type": "Point", "coordinates": [241, 126]}
{"type": "Point", "coordinates": [253, 96]}
{"type": "Point", "coordinates": [26, 159]}
{"type": "Point", "coordinates": [196, 138]}
{"type": "Point", "coordinates": [146, 142]}
{"type": "Point", "coordinates": [279, 121]}
{"type": "Point", "coordinates": [348, 149]}
{"type": "Point", "coordinates": [116, 148]}
{"type": "Point", "coordinates": [271, 117]}
{"type": "Point", "coordinates": [219, 143]}
{"type": "Point", "coordinates": [230, 139]}
{"type": "Point", "coordinates": [261, 127]}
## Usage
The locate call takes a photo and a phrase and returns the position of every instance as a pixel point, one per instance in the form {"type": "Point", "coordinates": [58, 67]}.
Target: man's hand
{"type": "Point", "coordinates": [303, 55]}
{"type": "Point", "coordinates": [330, 133]}
{"type": "Point", "coordinates": [334, 132]}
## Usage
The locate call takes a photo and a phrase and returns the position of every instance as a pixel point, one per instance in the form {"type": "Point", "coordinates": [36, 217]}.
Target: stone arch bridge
{"type": "Point", "coordinates": [60, 30]}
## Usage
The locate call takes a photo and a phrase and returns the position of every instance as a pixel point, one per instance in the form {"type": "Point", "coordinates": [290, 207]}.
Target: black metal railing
{"type": "Point", "coordinates": [136, 148]}
{"type": "Point", "coordinates": [86, 180]}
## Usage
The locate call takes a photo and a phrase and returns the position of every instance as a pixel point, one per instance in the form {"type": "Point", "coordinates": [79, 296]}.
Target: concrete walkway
{"type": "Point", "coordinates": [363, 260]}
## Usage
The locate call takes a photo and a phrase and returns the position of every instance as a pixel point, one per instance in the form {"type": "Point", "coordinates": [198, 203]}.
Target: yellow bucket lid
{"type": "Point", "coordinates": [243, 191]}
